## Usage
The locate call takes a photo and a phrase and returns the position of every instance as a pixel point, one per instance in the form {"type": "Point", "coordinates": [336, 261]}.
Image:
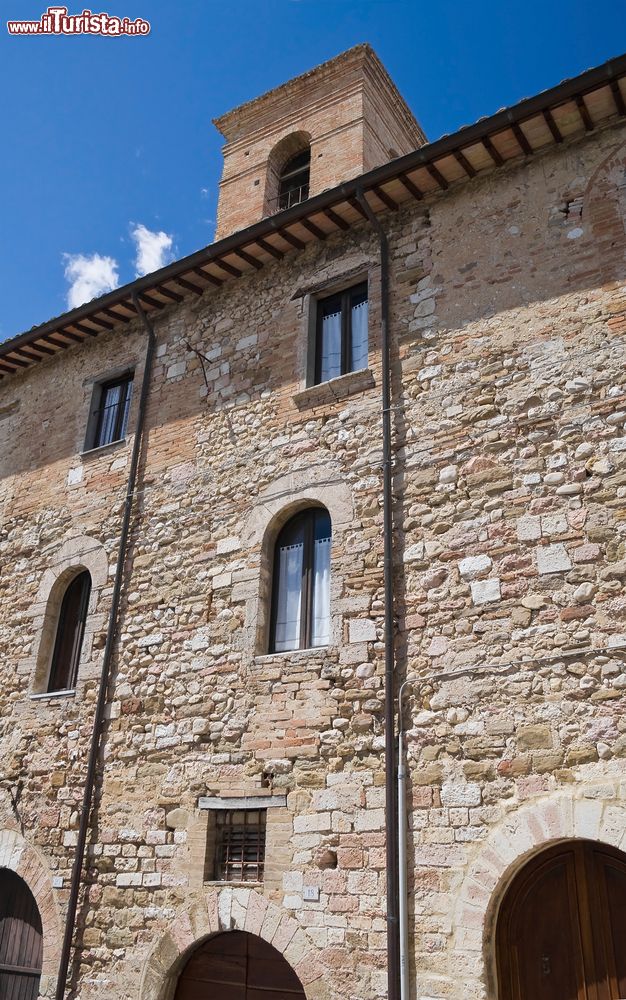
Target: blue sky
{"type": "Point", "coordinates": [108, 141]}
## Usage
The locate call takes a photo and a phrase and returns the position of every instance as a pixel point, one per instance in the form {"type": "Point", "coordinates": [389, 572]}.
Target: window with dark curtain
{"type": "Point", "coordinates": [70, 631]}
{"type": "Point", "coordinates": [294, 180]}
{"type": "Point", "coordinates": [341, 337]}
{"type": "Point", "coordinates": [114, 407]}
{"type": "Point", "coordinates": [21, 939]}
{"type": "Point", "coordinates": [301, 586]}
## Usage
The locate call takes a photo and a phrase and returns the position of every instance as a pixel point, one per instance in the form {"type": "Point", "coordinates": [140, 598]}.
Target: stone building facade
{"type": "Point", "coordinates": [507, 324]}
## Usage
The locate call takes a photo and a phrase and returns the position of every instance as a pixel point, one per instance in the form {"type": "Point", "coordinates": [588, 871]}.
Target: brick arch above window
{"type": "Point", "coordinates": [76, 555]}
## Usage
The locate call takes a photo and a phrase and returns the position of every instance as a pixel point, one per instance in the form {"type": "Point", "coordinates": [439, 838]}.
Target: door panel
{"type": "Point", "coordinates": [544, 945]}
{"type": "Point", "coordinates": [238, 966]}
{"type": "Point", "coordinates": [614, 882]}
{"type": "Point", "coordinates": [561, 932]}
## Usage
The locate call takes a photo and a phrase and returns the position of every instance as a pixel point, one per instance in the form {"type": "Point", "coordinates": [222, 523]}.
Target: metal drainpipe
{"type": "Point", "coordinates": [403, 896]}
{"type": "Point", "coordinates": [393, 967]}
{"type": "Point", "coordinates": [106, 663]}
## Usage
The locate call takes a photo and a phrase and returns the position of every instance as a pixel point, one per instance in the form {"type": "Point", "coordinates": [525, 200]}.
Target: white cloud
{"type": "Point", "coordinates": [89, 276]}
{"type": "Point", "coordinates": [154, 250]}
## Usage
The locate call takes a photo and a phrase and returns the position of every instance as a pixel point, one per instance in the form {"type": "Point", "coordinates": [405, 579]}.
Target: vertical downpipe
{"type": "Point", "coordinates": [83, 829]}
{"type": "Point", "coordinates": [403, 897]}
{"type": "Point", "coordinates": [393, 969]}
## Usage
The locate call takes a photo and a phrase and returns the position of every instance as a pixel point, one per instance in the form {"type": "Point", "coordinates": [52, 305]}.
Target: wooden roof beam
{"type": "Point", "coordinates": [385, 198]}
{"type": "Point", "coordinates": [437, 176]}
{"type": "Point", "coordinates": [358, 207]}
{"type": "Point", "coordinates": [493, 152]}
{"type": "Point", "coordinates": [174, 296]}
{"type": "Point", "coordinates": [270, 249]}
{"type": "Point", "coordinates": [87, 330]}
{"type": "Point", "coordinates": [211, 278]}
{"type": "Point", "coordinates": [463, 162]}
{"type": "Point", "coordinates": [35, 347]}
{"type": "Point", "coordinates": [23, 353]}
{"type": "Point", "coordinates": [618, 99]}
{"type": "Point", "coordinates": [16, 361]}
{"type": "Point", "coordinates": [290, 238]}
{"type": "Point", "coordinates": [411, 187]}
{"type": "Point", "coordinates": [72, 336]}
{"type": "Point", "coordinates": [6, 369]}
{"type": "Point", "coordinates": [117, 317]}
{"type": "Point", "coordinates": [49, 338]}
{"type": "Point", "coordinates": [583, 111]}
{"type": "Point", "coordinates": [521, 139]}
{"type": "Point", "coordinates": [190, 286]}
{"type": "Point", "coordinates": [151, 301]}
{"type": "Point", "coordinates": [552, 125]}
{"type": "Point", "coordinates": [229, 268]}
{"type": "Point", "coordinates": [101, 322]}
{"type": "Point", "coordinates": [336, 219]}
{"type": "Point", "coordinates": [249, 259]}
{"type": "Point", "coordinates": [313, 229]}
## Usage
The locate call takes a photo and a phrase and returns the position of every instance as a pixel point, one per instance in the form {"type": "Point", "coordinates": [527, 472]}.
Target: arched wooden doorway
{"type": "Point", "coordinates": [21, 941]}
{"type": "Point", "coordinates": [561, 930]}
{"type": "Point", "coordinates": [238, 966]}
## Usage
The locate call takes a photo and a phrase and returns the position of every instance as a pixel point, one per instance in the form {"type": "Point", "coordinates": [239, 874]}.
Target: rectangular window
{"type": "Point", "coordinates": [239, 845]}
{"type": "Point", "coordinates": [341, 333]}
{"type": "Point", "coordinates": [111, 406]}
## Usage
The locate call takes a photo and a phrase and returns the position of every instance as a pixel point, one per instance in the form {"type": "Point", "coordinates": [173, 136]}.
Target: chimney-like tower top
{"type": "Point", "coordinates": [329, 125]}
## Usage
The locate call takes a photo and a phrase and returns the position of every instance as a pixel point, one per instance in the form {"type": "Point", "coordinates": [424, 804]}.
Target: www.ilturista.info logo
{"type": "Point", "coordinates": [57, 21]}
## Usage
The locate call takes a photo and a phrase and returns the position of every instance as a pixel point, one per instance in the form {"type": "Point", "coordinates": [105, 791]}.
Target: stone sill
{"type": "Point", "coordinates": [335, 390]}
{"type": "Point", "coordinates": [103, 449]}
{"type": "Point", "coordinates": [69, 693]}
{"type": "Point", "coordinates": [297, 654]}
{"type": "Point", "coordinates": [233, 885]}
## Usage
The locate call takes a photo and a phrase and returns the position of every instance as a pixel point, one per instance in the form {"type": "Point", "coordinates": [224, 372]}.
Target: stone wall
{"type": "Point", "coordinates": [508, 317]}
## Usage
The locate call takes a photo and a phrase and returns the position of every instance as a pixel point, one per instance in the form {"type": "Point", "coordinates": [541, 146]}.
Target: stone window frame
{"type": "Point", "coordinates": [74, 556]}
{"type": "Point", "coordinates": [125, 372]}
{"type": "Point", "coordinates": [311, 393]}
{"type": "Point", "coordinates": [319, 486]}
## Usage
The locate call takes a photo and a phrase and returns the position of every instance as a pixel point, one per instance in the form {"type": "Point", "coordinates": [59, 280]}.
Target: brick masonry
{"type": "Point", "coordinates": [348, 110]}
{"type": "Point", "coordinates": [508, 322]}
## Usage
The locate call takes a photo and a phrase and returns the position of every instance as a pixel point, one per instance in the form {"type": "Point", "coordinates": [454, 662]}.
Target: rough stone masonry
{"type": "Point", "coordinates": [508, 322]}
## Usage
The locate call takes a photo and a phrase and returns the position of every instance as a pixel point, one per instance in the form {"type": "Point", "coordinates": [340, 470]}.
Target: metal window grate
{"type": "Point", "coordinates": [240, 845]}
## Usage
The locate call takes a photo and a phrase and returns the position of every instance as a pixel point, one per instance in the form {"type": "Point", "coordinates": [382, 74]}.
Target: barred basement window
{"type": "Point", "coordinates": [239, 845]}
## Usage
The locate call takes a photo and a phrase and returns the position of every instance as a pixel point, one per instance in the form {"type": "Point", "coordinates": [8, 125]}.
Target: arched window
{"type": "Point", "coordinates": [69, 636]}
{"type": "Point", "coordinates": [293, 184]}
{"type": "Point", "coordinates": [301, 585]}
{"type": "Point", "coordinates": [21, 940]}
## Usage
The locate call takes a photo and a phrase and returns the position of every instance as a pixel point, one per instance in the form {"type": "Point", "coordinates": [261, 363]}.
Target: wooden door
{"type": "Point", "coordinates": [238, 966]}
{"type": "Point", "coordinates": [561, 932]}
{"type": "Point", "coordinates": [21, 941]}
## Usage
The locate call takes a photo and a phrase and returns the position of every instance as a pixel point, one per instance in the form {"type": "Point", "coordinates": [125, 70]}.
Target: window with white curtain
{"type": "Point", "coordinates": [301, 587]}
{"type": "Point", "coordinates": [341, 335]}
